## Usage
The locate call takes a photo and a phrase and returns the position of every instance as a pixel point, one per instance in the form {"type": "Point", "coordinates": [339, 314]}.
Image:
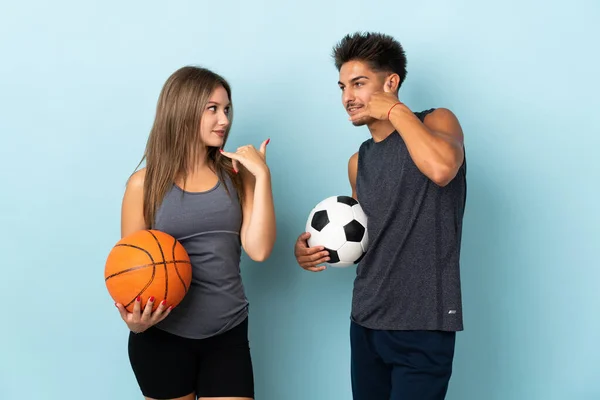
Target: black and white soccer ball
{"type": "Point", "coordinates": [339, 224]}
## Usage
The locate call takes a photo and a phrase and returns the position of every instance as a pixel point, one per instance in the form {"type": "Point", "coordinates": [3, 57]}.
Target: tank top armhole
{"type": "Point", "coordinates": [422, 114]}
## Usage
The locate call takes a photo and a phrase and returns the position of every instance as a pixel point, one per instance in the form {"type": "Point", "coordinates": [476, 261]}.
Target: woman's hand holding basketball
{"type": "Point", "coordinates": [254, 160]}
{"type": "Point", "coordinates": [138, 321]}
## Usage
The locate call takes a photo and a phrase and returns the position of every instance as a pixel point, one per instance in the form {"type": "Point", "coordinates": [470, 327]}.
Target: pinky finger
{"type": "Point", "coordinates": [165, 314]}
{"type": "Point", "coordinates": [316, 269]}
{"type": "Point", "coordinates": [161, 311]}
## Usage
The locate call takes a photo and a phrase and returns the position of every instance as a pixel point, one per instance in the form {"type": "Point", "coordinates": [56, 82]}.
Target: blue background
{"type": "Point", "coordinates": [78, 86]}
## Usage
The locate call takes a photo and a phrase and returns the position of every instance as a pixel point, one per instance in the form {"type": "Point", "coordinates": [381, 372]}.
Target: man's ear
{"type": "Point", "coordinates": [392, 83]}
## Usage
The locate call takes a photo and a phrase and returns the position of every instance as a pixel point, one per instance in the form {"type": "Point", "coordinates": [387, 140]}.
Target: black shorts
{"type": "Point", "coordinates": [167, 366]}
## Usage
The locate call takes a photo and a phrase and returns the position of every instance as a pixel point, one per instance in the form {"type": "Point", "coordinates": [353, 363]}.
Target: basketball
{"type": "Point", "coordinates": [148, 263]}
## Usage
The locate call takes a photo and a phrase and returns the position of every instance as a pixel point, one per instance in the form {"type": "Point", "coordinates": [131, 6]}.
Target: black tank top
{"type": "Point", "coordinates": [409, 279]}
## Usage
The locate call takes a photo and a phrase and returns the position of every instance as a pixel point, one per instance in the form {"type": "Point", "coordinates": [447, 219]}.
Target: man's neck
{"type": "Point", "coordinates": [381, 130]}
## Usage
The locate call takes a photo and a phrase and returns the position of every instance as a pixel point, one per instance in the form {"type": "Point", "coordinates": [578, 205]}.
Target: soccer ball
{"type": "Point", "coordinates": [339, 224]}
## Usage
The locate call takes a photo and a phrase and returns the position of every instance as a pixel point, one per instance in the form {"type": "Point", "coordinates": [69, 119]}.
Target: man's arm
{"type": "Point", "coordinates": [311, 258]}
{"type": "Point", "coordinates": [352, 171]}
{"type": "Point", "coordinates": [436, 145]}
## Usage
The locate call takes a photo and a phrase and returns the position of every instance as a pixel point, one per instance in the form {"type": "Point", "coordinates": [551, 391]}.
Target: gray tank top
{"type": "Point", "coordinates": [409, 278]}
{"type": "Point", "coordinates": [208, 226]}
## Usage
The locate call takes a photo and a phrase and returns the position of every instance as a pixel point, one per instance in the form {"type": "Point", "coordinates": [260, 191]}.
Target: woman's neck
{"type": "Point", "coordinates": [200, 162]}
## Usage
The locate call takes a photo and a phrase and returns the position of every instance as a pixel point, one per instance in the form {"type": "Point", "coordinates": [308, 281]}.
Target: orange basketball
{"type": "Point", "coordinates": [148, 263]}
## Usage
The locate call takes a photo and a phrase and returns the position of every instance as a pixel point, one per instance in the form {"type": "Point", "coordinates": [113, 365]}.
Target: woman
{"type": "Point", "coordinates": [215, 203]}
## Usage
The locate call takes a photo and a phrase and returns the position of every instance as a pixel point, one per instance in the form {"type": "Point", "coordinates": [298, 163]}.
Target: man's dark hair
{"type": "Point", "coordinates": [381, 52]}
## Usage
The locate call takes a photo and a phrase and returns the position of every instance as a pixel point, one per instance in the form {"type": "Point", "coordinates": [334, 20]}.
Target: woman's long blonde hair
{"type": "Point", "coordinates": [174, 142]}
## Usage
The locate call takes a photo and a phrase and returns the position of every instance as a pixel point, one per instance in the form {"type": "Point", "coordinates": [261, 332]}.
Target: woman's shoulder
{"type": "Point", "coordinates": [136, 180]}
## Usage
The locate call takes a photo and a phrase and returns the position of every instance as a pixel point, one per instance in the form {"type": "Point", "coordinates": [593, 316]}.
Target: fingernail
{"type": "Point", "coordinates": [221, 150]}
{"type": "Point", "coordinates": [170, 307]}
{"type": "Point", "coordinates": [151, 299]}
{"type": "Point", "coordinates": [138, 298]}
{"type": "Point", "coordinates": [235, 170]}
{"type": "Point", "coordinates": [164, 302]}
{"type": "Point", "coordinates": [268, 140]}
{"type": "Point", "coordinates": [116, 305]}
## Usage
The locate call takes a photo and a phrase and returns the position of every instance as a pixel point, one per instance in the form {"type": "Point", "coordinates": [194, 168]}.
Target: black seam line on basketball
{"type": "Point", "coordinates": [139, 248]}
{"type": "Point", "coordinates": [162, 254]}
{"type": "Point", "coordinates": [136, 247]}
{"type": "Point", "coordinates": [145, 266]}
{"type": "Point", "coordinates": [175, 266]}
{"type": "Point", "coordinates": [145, 287]}
{"type": "Point", "coordinates": [151, 277]}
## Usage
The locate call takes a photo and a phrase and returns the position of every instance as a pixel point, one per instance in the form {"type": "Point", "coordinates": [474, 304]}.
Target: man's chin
{"type": "Point", "coordinates": [363, 121]}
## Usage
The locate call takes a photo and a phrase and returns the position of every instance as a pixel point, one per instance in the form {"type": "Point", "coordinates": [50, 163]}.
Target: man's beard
{"type": "Point", "coordinates": [363, 121]}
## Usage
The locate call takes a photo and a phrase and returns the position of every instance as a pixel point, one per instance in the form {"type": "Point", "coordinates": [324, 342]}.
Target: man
{"type": "Point", "coordinates": [410, 179]}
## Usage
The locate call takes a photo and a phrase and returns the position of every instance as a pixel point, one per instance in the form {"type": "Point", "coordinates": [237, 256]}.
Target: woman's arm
{"type": "Point", "coordinates": [258, 230]}
{"type": "Point", "coordinates": [132, 220]}
{"type": "Point", "coordinates": [132, 207]}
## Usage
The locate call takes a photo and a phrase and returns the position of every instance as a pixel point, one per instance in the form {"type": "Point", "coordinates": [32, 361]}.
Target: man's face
{"type": "Point", "coordinates": [357, 82]}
